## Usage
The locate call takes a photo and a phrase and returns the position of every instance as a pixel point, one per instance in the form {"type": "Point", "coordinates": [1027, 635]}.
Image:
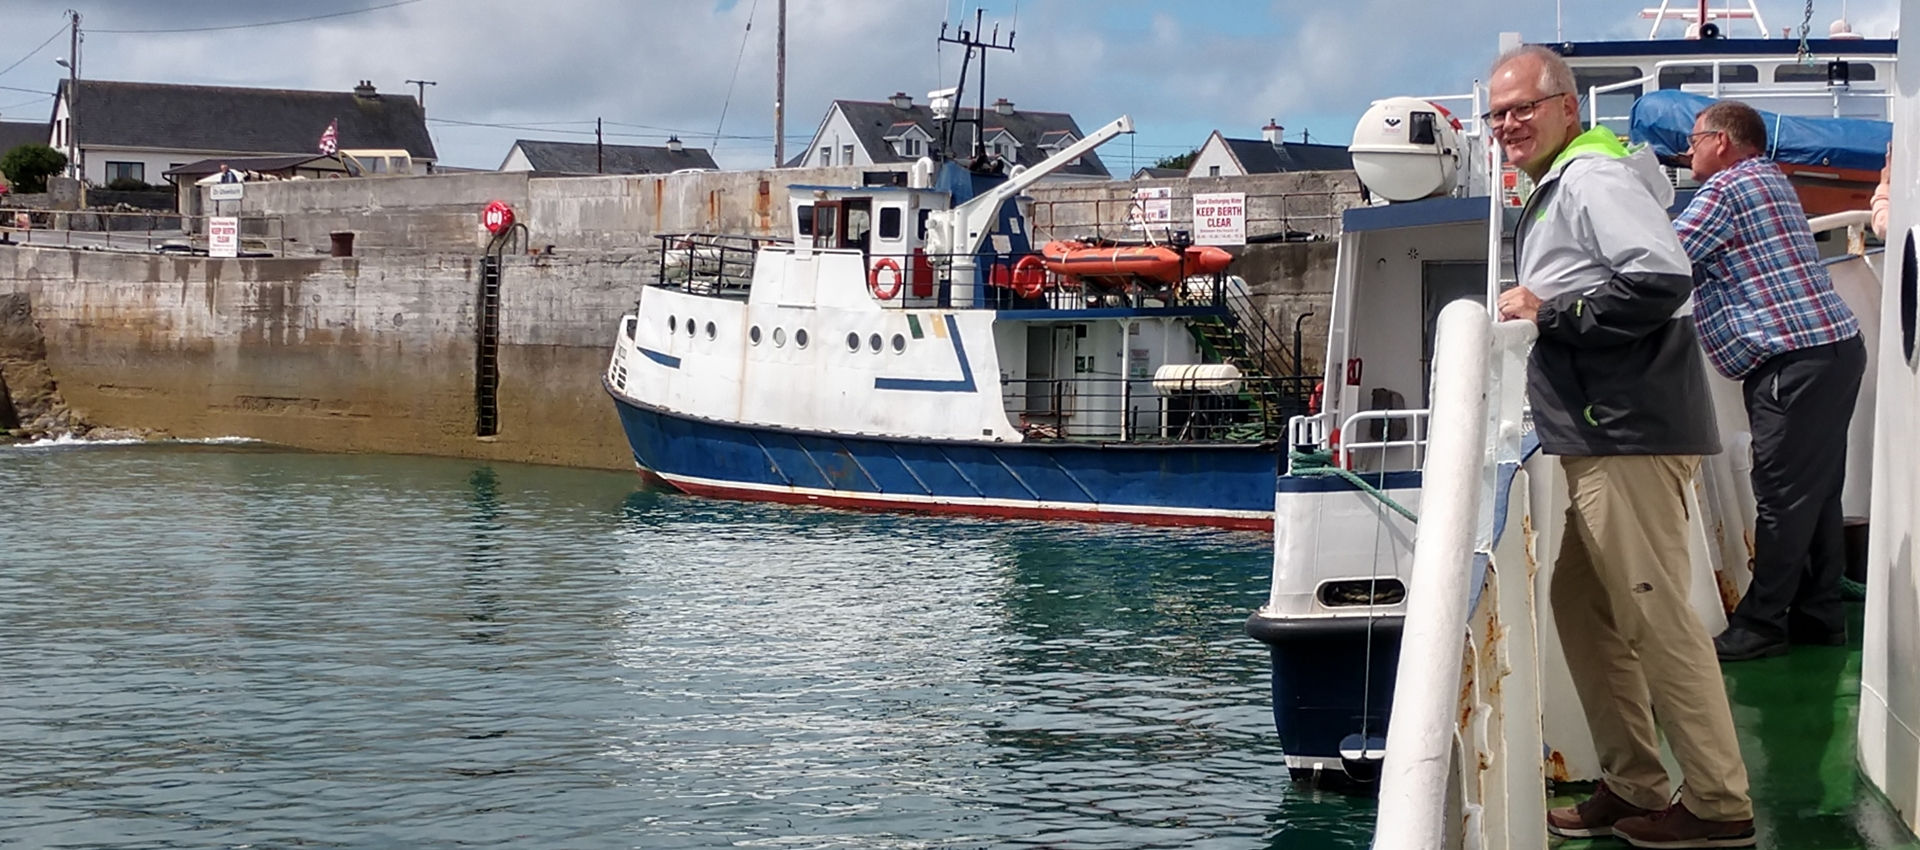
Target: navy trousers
{"type": "Point", "coordinates": [1799, 405]}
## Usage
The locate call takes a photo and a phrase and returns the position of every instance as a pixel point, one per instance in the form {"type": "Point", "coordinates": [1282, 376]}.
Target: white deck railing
{"type": "Point", "coordinates": [1446, 783]}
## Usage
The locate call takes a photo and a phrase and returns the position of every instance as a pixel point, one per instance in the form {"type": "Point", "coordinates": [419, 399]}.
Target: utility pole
{"type": "Point", "coordinates": [73, 98]}
{"type": "Point", "coordinates": [599, 150]}
{"type": "Point", "coordinates": [780, 90]}
{"type": "Point", "coordinates": [422, 86]}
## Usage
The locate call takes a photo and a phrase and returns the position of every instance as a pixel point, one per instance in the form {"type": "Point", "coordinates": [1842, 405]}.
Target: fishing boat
{"type": "Point", "coordinates": [1348, 505]}
{"type": "Point", "coordinates": [910, 348]}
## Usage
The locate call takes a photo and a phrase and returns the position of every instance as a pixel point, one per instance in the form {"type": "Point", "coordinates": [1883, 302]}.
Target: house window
{"type": "Point", "coordinates": [826, 155]}
{"type": "Point", "coordinates": [913, 146]}
{"type": "Point", "coordinates": [846, 154]}
{"type": "Point", "coordinates": [1213, 171]}
{"type": "Point", "coordinates": [126, 171]}
{"type": "Point", "coordinates": [889, 222]}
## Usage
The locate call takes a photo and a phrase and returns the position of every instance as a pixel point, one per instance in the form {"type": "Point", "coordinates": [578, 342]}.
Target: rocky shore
{"type": "Point", "coordinates": [30, 404]}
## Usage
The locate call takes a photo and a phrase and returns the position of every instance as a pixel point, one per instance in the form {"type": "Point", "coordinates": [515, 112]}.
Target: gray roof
{"type": "Point", "coordinates": [1259, 156]}
{"type": "Point", "coordinates": [245, 120]}
{"type": "Point", "coordinates": [16, 133]}
{"type": "Point", "coordinates": [579, 158]}
{"type": "Point", "coordinates": [1151, 173]}
{"type": "Point", "coordinates": [874, 122]}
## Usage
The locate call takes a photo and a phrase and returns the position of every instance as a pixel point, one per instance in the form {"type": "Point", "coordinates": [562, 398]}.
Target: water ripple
{"type": "Point", "coordinates": [236, 645]}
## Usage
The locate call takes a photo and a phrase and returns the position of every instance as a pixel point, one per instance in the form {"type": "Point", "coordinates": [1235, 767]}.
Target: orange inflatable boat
{"type": "Point", "coordinates": [1082, 259]}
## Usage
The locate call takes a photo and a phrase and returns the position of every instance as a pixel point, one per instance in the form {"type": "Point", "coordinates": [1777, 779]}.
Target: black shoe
{"type": "Point", "coordinates": [1738, 644]}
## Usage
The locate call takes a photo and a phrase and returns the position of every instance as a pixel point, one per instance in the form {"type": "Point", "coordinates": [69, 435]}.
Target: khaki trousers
{"type": "Point", "coordinates": [1635, 647]}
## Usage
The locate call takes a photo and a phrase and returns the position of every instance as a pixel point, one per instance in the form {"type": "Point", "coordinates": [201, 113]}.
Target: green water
{"type": "Point", "coordinates": [239, 646]}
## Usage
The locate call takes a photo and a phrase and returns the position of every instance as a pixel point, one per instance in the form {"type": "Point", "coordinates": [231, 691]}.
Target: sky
{"type": "Point", "coordinates": [509, 69]}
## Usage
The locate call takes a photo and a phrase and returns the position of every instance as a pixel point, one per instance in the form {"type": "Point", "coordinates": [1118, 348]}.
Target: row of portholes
{"type": "Point", "coordinates": [873, 342]}
{"type": "Point", "coordinates": [673, 327]}
{"type": "Point", "coordinates": [779, 337]}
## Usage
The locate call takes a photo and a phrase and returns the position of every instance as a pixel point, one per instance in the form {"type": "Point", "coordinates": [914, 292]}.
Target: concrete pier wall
{"type": "Point", "coordinates": [376, 352]}
{"type": "Point", "coordinates": [331, 354]}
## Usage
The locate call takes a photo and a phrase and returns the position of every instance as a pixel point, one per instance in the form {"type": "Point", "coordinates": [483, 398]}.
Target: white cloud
{"type": "Point", "coordinates": [1180, 70]}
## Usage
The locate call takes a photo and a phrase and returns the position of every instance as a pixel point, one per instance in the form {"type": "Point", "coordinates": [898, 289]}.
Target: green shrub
{"type": "Point", "coordinates": [128, 184]}
{"type": "Point", "coordinates": [28, 166]}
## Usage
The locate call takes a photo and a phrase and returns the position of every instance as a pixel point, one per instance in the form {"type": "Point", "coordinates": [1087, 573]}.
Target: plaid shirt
{"type": "Point", "coordinates": [1759, 288]}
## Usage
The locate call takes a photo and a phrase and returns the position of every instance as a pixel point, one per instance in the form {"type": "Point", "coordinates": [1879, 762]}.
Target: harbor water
{"type": "Point", "coordinates": [236, 645]}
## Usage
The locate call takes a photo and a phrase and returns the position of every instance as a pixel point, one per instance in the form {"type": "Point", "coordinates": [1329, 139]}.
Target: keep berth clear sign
{"type": "Point", "coordinates": [223, 236]}
{"type": "Point", "coordinates": [1220, 218]}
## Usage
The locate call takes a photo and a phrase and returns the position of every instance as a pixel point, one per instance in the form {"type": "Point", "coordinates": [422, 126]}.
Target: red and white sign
{"type": "Point", "coordinates": [1220, 218]}
{"type": "Point", "coordinates": [223, 236]}
{"type": "Point", "coordinates": [497, 217]}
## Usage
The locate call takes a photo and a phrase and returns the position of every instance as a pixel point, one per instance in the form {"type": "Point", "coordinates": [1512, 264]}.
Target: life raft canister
{"type": "Point", "coordinates": [1030, 276]}
{"type": "Point", "coordinates": [887, 290]}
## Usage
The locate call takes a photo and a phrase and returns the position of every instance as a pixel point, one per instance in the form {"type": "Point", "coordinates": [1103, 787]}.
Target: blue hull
{"type": "Point", "coordinates": [1328, 695]}
{"type": "Point", "coordinates": [1229, 485]}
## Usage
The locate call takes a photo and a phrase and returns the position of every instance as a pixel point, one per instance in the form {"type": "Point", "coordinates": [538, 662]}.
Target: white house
{"type": "Point", "coordinates": [857, 132]}
{"type": "Point", "coordinates": [1269, 154]}
{"type": "Point", "coordinates": [142, 130]}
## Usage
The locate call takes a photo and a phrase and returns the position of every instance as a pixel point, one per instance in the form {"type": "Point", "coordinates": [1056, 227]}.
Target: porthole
{"type": "Point", "coordinates": [800, 337]}
{"type": "Point", "coordinates": [673, 324]}
{"type": "Point", "coordinates": [874, 342]}
{"type": "Point", "coordinates": [853, 341]}
{"type": "Point", "coordinates": [779, 337]}
{"type": "Point", "coordinates": [899, 343]}
{"type": "Point", "coordinates": [753, 334]}
{"type": "Point", "coordinates": [1909, 297]}
{"type": "Point", "coordinates": [689, 327]}
{"type": "Point", "coordinates": [712, 331]}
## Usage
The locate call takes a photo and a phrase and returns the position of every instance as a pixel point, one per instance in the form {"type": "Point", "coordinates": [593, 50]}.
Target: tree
{"type": "Point", "coordinates": [1182, 161]}
{"type": "Point", "coordinates": [28, 166]}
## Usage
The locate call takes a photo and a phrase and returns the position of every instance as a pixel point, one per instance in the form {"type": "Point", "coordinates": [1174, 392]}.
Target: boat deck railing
{"type": "Point", "coordinates": [1755, 93]}
{"type": "Point", "coordinates": [1108, 408]}
{"type": "Point", "coordinates": [1373, 440]}
{"type": "Point", "coordinates": [1270, 216]}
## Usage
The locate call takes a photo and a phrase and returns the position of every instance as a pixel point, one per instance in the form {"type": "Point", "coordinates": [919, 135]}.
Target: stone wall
{"type": "Point", "coordinates": [345, 354]}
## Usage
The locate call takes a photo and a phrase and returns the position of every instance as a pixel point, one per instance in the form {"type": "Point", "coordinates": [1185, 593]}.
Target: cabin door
{"type": "Point", "coordinates": [1050, 360]}
{"type": "Point", "coordinates": [1442, 283]}
{"type": "Point", "coordinates": [826, 224]}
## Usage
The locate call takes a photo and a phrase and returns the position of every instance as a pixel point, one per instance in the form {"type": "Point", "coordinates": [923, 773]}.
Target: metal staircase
{"type": "Point", "coordinates": [1275, 385]}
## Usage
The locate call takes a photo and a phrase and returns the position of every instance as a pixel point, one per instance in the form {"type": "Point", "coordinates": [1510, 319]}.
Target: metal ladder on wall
{"type": "Point", "coordinates": [486, 357]}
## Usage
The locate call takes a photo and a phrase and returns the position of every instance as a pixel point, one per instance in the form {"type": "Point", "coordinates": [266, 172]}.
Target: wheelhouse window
{"type": "Point", "coordinates": [1702, 75]}
{"type": "Point", "coordinates": [804, 217]}
{"type": "Point", "coordinates": [889, 222]}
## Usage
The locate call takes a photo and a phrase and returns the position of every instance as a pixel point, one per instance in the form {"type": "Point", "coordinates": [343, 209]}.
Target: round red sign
{"type": "Point", "coordinates": [497, 217]}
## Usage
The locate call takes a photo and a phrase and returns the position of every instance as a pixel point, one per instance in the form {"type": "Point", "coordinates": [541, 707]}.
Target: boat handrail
{"type": "Point", "coordinates": [1458, 770]}
{"type": "Point", "coordinates": [1417, 421]}
{"type": "Point", "coordinates": [1879, 62]}
{"type": "Point", "coordinates": [1854, 222]}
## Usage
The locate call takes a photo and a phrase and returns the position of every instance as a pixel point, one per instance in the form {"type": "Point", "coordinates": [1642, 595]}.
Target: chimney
{"type": "Point", "coordinates": [1272, 132]}
{"type": "Point", "coordinates": [673, 144]}
{"type": "Point", "coordinates": [1003, 106]}
{"type": "Point", "coordinates": [901, 100]}
{"type": "Point", "coordinates": [364, 89]}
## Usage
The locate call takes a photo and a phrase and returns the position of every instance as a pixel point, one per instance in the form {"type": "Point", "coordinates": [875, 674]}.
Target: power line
{"type": "Point", "coordinates": [736, 74]}
{"type": "Point", "coordinates": [12, 106]}
{"type": "Point", "coordinates": [36, 51]}
{"type": "Point", "coordinates": [28, 91]}
{"type": "Point", "coordinates": [302, 20]}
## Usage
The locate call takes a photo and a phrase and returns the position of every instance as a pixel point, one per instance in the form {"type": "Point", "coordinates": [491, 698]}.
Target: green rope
{"type": "Point", "coordinates": [1320, 464]}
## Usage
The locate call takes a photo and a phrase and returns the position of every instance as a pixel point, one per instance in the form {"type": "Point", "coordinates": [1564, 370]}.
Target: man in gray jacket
{"type": "Point", "coordinates": [1619, 392]}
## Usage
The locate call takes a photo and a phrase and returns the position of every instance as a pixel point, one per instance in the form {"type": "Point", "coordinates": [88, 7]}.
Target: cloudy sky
{"type": "Point", "coordinates": [508, 69]}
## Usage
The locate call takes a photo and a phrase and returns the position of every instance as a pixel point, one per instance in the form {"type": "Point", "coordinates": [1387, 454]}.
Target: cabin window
{"type": "Point", "coordinates": [921, 225]}
{"type": "Point", "coordinates": [1614, 104]}
{"type": "Point", "coordinates": [804, 215]}
{"type": "Point", "coordinates": [779, 337]}
{"type": "Point", "coordinates": [712, 331]}
{"type": "Point", "coordinates": [1684, 75]}
{"type": "Point", "coordinates": [853, 341]}
{"type": "Point", "coordinates": [874, 343]}
{"type": "Point", "coordinates": [889, 222]}
{"type": "Point", "coordinates": [846, 154]}
{"type": "Point", "coordinates": [826, 155]}
{"type": "Point", "coordinates": [1857, 72]}
{"type": "Point", "coordinates": [800, 337]}
{"type": "Point", "coordinates": [899, 343]}
{"type": "Point", "coordinates": [753, 334]}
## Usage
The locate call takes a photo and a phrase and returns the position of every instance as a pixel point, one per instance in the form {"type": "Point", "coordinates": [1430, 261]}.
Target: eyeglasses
{"type": "Point", "coordinates": [1519, 112]}
{"type": "Point", "coordinates": [1694, 138]}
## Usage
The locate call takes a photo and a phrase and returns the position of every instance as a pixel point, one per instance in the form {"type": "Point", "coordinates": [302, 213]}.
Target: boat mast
{"type": "Point", "coordinates": [970, 39]}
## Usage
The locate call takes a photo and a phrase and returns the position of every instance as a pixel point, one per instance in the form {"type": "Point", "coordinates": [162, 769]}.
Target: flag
{"type": "Point", "coordinates": [330, 140]}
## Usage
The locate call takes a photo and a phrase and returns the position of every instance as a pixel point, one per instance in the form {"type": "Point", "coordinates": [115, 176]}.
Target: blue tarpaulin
{"type": "Point", "coordinates": [1664, 118]}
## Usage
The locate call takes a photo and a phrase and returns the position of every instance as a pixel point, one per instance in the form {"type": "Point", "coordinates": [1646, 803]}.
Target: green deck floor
{"type": "Point", "coordinates": [1795, 716]}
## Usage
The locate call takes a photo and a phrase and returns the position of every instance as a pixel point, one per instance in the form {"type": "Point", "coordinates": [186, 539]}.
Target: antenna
{"type": "Point", "coordinates": [970, 39]}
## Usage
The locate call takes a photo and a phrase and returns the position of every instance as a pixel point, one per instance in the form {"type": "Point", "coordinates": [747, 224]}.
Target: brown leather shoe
{"type": "Point", "coordinates": [1675, 828]}
{"type": "Point", "coordinates": [1595, 817]}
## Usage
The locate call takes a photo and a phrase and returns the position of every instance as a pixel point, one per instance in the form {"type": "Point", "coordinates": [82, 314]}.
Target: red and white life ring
{"type": "Point", "coordinates": [885, 291]}
{"type": "Point", "coordinates": [1030, 276]}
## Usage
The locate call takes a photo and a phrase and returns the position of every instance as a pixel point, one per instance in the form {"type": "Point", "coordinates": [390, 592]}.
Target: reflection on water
{"type": "Point", "coordinates": [237, 645]}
